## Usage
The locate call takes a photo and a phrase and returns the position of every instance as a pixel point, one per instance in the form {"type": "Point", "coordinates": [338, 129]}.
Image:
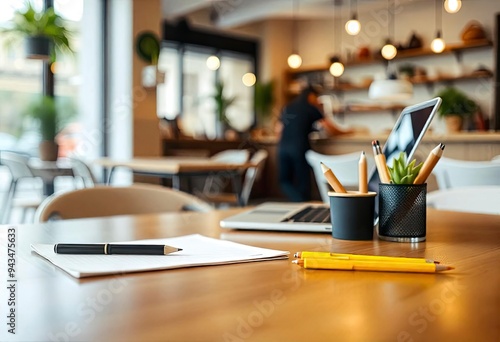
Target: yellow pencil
{"type": "Point", "coordinates": [363, 265]}
{"type": "Point", "coordinates": [363, 174]}
{"type": "Point", "coordinates": [430, 162]}
{"type": "Point", "coordinates": [344, 256]}
{"type": "Point", "coordinates": [332, 180]}
{"type": "Point", "coordinates": [381, 163]}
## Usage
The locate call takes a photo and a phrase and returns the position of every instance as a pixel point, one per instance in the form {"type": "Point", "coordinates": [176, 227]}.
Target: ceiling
{"type": "Point", "coordinates": [234, 13]}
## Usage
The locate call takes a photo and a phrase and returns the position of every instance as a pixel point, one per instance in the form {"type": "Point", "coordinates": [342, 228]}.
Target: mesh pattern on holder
{"type": "Point", "coordinates": [402, 210]}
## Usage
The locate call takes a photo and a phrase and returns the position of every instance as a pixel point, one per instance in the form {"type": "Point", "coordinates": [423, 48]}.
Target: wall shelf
{"type": "Point", "coordinates": [320, 74]}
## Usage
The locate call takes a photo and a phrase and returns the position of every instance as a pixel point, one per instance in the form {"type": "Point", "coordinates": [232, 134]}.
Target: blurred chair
{"type": "Point", "coordinates": [231, 156]}
{"type": "Point", "coordinates": [20, 172]}
{"type": "Point", "coordinates": [227, 156]}
{"type": "Point", "coordinates": [344, 166]}
{"type": "Point", "coordinates": [483, 199]}
{"type": "Point", "coordinates": [103, 201]}
{"type": "Point", "coordinates": [82, 172]}
{"type": "Point", "coordinates": [453, 173]}
{"type": "Point", "coordinates": [252, 174]}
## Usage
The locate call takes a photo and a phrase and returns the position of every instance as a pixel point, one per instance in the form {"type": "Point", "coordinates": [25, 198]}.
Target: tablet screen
{"type": "Point", "coordinates": [405, 136]}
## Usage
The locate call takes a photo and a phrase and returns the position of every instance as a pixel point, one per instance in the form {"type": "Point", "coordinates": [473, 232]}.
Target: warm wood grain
{"type": "Point", "coordinates": [263, 301]}
{"type": "Point", "coordinates": [172, 165]}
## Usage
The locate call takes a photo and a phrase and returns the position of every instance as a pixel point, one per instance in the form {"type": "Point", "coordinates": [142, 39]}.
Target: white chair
{"type": "Point", "coordinates": [83, 172]}
{"type": "Point", "coordinates": [483, 199]}
{"type": "Point", "coordinates": [231, 156]}
{"type": "Point", "coordinates": [252, 174]}
{"type": "Point", "coordinates": [344, 166]}
{"type": "Point", "coordinates": [103, 201]}
{"type": "Point", "coordinates": [453, 173]}
{"type": "Point", "coordinates": [20, 172]}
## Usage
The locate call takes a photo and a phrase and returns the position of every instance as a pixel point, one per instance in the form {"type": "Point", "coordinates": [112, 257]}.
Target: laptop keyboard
{"type": "Point", "coordinates": [311, 214]}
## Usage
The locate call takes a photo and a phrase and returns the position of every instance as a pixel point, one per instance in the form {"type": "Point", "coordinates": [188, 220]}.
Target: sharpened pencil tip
{"type": "Point", "coordinates": [295, 261]}
{"type": "Point", "coordinates": [324, 168]}
{"type": "Point", "coordinates": [296, 255]}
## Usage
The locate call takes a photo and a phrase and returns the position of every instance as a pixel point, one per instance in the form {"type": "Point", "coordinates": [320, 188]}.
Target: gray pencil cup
{"type": "Point", "coordinates": [352, 215]}
{"type": "Point", "coordinates": [402, 212]}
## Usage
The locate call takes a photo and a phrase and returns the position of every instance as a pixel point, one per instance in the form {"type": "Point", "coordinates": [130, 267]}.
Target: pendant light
{"type": "Point", "coordinates": [213, 62]}
{"type": "Point", "coordinates": [390, 89]}
{"type": "Point", "coordinates": [452, 6]}
{"type": "Point", "coordinates": [353, 26]}
{"type": "Point", "coordinates": [336, 66]}
{"type": "Point", "coordinates": [389, 51]}
{"type": "Point", "coordinates": [438, 44]}
{"type": "Point", "coordinates": [294, 60]}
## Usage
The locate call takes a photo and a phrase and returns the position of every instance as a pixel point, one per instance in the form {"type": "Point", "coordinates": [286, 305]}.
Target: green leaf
{"type": "Point", "coordinates": [403, 173]}
{"type": "Point", "coordinates": [28, 23]}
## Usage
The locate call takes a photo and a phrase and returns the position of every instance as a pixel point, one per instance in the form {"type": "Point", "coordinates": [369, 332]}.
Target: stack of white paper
{"type": "Point", "coordinates": [197, 250]}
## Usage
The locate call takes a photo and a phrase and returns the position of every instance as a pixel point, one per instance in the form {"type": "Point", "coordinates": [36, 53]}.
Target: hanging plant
{"type": "Point", "coordinates": [45, 32]}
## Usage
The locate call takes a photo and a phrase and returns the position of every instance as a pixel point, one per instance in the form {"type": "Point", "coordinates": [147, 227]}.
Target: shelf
{"type": "Point", "coordinates": [320, 75]}
{"type": "Point", "coordinates": [368, 108]}
{"type": "Point", "coordinates": [447, 79]}
{"type": "Point", "coordinates": [452, 48]}
{"type": "Point", "coordinates": [426, 81]}
{"type": "Point", "coordinates": [403, 54]}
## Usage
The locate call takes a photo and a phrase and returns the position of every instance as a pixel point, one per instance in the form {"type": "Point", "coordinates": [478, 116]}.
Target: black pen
{"type": "Point", "coordinates": [108, 248]}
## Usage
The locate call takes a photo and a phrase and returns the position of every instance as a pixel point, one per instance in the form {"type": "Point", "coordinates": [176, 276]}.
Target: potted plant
{"type": "Point", "coordinates": [455, 107]}
{"type": "Point", "coordinates": [222, 103]}
{"type": "Point", "coordinates": [147, 46]}
{"type": "Point", "coordinates": [45, 112]}
{"type": "Point", "coordinates": [44, 32]}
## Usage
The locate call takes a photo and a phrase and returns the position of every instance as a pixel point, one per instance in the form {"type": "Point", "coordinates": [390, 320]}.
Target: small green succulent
{"type": "Point", "coordinates": [402, 173]}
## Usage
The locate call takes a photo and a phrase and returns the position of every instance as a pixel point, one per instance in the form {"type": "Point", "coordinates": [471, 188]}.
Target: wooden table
{"type": "Point", "coordinates": [177, 167]}
{"type": "Point", "coordinates": [261, 301]}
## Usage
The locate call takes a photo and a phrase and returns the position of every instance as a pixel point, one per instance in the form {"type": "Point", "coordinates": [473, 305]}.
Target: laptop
{"type": "Point", "coordinates": [408, 130]}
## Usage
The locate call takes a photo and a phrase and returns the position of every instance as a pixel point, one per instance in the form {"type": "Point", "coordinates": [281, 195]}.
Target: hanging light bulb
{"type": "Point", "coordinates": [452, 6]}
{"type": "Point", "coordinates": [213, 62]}
{"type": "Point", "coordinates": [353, 26]}
{"type": "Point", "coordinates": [336, 68]}
{"type": "Point", "coordinates": [389, 51]}
{"type": "Point", "coordinates": [294, 61]}
{"type": "Point", "coordinates": [438, 44]}
{"type": "Point", "coordinates": [249, 79]}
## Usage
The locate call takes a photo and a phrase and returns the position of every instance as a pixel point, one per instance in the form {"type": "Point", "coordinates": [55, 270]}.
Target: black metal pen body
{"type": "Point", "coordinates": [76, 248]}
{"type": "Point", "coordinates": [109, 249]}
{"type": "Point", "coordinates": [136, 249]}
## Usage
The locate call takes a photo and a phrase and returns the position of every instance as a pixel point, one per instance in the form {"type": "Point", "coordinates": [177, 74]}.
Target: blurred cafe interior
{"type": "Point", "coordinates": [190, 79]}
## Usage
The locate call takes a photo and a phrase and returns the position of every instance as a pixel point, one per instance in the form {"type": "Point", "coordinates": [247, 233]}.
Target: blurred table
{"type": "Point", "coordinates": [49, 170]}
{"type": "Point", "coordinates": [177, 167]}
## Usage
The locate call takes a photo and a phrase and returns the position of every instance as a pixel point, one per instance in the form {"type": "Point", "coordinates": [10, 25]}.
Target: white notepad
{"type": "Point", "coordinates": [197, 250]}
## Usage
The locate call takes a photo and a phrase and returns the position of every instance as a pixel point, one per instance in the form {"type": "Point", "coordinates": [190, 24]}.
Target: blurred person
{"type": "Point", "coordinates": [298, 119]}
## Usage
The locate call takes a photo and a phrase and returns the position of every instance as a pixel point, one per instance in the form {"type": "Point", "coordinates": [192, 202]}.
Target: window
{"type": "Point", "coordinates": [190, 84]}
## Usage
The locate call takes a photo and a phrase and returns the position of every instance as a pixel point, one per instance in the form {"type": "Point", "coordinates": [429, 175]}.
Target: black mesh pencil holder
{"type": "Point", "coordinates": [402, 212]}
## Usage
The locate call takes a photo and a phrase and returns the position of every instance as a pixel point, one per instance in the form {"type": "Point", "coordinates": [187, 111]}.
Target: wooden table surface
{"type": "Point", "coordinates": [172, 165]}
{"type": "Point", "coordinates": [261, 301]}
